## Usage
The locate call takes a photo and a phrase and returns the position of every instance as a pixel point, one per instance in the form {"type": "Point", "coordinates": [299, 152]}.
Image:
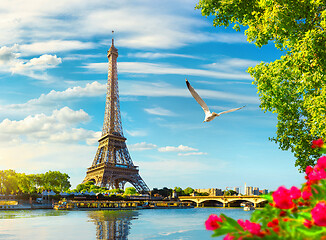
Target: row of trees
{"type": "Point", "coordinates": [12, 182]}
{"type": "Point", "coordinates": [91, 187]}
{"type": "Point", "coordinates": [166, 192]}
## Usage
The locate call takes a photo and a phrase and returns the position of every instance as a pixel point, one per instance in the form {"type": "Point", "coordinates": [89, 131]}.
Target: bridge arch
{"type": "Point", "coordinates": [227, 201]}
{"type": "Point", "coordinates": [256, 202]}
{"type": "Point", "coordinates": [194, 203]}
{"type": "Point", "coordinates": [237, 202]}
{"type": "Point", "coordinates": [210, 203]}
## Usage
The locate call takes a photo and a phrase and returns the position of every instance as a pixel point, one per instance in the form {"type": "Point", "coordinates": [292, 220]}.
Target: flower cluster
{"type": "Point", "coordinates": [291, 213]}
{"type": "Point", "coordinates": [253, 228]}
{"type": "Point", "coordinates": [317, 172]}
{"type": "Point", "coordinates": [283, 197]}
{"type": "Point", "coordinates": [212, 222]}
{"type": "Point", "coordinates": [319, 143]}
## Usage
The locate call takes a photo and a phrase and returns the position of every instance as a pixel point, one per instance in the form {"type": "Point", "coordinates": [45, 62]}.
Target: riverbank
{"type": "Point", "coordinates": [26, 207]}
{"type": "Point", "coordinates": [118, 205]}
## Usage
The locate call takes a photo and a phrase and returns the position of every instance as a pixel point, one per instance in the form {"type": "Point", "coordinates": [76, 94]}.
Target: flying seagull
{"type": "Point", "coordinates": [208, 115]}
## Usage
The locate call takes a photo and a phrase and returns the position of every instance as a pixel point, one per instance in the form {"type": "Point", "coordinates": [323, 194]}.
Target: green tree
{"type": "Point", "coordinates": [230, 193]}
{"type": "Point", "coordinates": [165, 192]}
{"type": "Point", "coordinates": [130, 191]}
{"type": "Point", "coordinates": [37, 180]}
{"type": "Point", "coordinates": [56, 181]}
{"type": "Point", "coordinates": [25, 183]}
{"type": "Point", "coordinates": [9, 182]}
{"type": "Point", "coordinates": [80, 187]}
{"type": "Point", "coordinates": [294, 86]}
{"type": "Point", "coordinates": [188, 191]}
{"type": "Point", "coordinates": [154, 191]}
{"type": "Point", "coordinates": [179, 191]}
{"type": "Point", "coordinates": [202, 193]}
{"type": "Point", "coordinates": [118, 190]}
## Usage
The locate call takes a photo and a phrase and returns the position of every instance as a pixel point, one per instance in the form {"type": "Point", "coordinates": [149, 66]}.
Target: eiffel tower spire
{"type": "Point", "coordinates": [112, 118]}
{"type": "Point", "coordinates": [112, 166]}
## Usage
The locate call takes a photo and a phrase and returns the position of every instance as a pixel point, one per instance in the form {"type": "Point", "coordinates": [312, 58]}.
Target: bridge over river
{"type": "Point", "coordinates": [227, 201]}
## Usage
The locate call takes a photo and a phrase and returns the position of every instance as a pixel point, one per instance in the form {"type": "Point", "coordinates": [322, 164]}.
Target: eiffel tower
{"type": "Point", "coordinates": [112, 166]}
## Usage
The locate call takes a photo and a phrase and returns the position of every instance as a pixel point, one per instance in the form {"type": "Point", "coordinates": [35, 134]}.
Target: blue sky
{"type": "Point", "coordinates": [53, 73]}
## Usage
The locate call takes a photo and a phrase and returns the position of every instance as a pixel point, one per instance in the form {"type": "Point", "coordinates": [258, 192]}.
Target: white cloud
{"type": "Point", "coordinates": [229, 38]}
{"type": "Point", "coordinates": [231, 64]}
{"type": "Point", "coordinates": [8, 54]}
{"type": "Point", "coordinates": [40, 122]}
{"type": "Point", "coordinates": [54, 46]}
{"type": "Point", "coordinates": [180, 148]}
{"type": "Point", "coordinates": [54, 98]}
{"type": "Point", "coordinates": [192, 153]}
{"type": "Point", "coordinates": [10, 62]}
{"type": "Point", "coordinates": [173, 167]}
{"type": "Point", "coordinates": [139, 23]}
{"type": "Point", "coordinates": [161, 89]}
{"type": "Point", "coordinates": [153, 68]}
{"type": "Point", "coordinates": [155, 55]}
{"type": "Point", "coordinates": [141, 146]}
{"type": "Point", "coordinates": [75, 135]}
{"type": "Point", "coordinates": [36, 156]}
{"type": "Point", "coordinates": [77, 56]}
{"type": "Point", "coordinates": [159, 111]}
{"type": "Point", "coordinates": [41, 63]}
{"type": "Point", "coordinates": [57, 127]}
{"type": "Point", "coordinates": [137, 133]}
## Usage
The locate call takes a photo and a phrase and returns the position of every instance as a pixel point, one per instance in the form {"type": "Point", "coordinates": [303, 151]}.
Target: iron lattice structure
{"type": "Point", "coordinates": [112, 166]}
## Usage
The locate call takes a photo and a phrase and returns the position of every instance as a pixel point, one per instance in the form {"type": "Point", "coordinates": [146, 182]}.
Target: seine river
{"type": "Point", "coordinates": [141, 224]}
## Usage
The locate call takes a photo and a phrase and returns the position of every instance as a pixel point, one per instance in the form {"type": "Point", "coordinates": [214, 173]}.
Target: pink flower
{"type": "Point", "coordinates": [241, 223]}
{"type": "Point", "coordinates": [321, 162]}
{"type": "Point", "coordinates": [273, 223]}
{"type": "Point", "coordinates": [308, 170]}
{"type": "Point", "coordinates": [316, 174]}
{"type": "Point", "coordinates": [282, 198]}
{"type": "Point", "coordinates": [211, 222]}
{"type": "Point", "coordinates": [306, 194]}
{"type": "Point", "coordinates": [317, 143]}
{"type": "Point", "coordinates": [295, 192]}
{"type": "Point", "coordinates": [307, 223]}
{"type": "Point", "coordinates": [228, 237]}
{"type": "Point", "coordinates": [253, 228]}
{"type": "Point", "coordinates": [282, 213]}
{"type": "Point", "coordinates": [318, 214]}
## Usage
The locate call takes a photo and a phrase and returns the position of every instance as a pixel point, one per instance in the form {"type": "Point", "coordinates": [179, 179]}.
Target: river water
{"type": "Point", "coordinates": [114, 225]}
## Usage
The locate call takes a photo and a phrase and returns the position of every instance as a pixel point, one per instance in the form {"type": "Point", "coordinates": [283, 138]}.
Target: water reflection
{"type": "Point", "coordinates": [112, 225]}
{"type": "Point", "coordinates": [12, 214]}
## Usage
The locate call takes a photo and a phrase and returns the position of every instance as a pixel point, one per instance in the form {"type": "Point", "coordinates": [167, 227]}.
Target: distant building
{"type": "Point", "coordinates": [174, 194]}
{"type": "Point", "coordinates": [264, 191]}
{"type": "Point", "coordinates": [236, 189]}
{"type": "Point", "coordinates": [249, 191]}
{"type": "Point", "coordinates": [256, 191]}
{"type": "Point", "coordinates": [210, 191]}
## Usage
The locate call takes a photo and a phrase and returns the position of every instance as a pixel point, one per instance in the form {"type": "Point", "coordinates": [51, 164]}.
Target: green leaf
{"type": "Point", "coordinates": [312, 231]}
{"type": "Point", "coordinates": [221, 231]}
{"type": "Point", "coordinates": [268, 197]}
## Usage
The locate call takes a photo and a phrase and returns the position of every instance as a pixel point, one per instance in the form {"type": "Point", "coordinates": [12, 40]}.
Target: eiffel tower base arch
{"type": "Point", "coordinates": [115, 177]}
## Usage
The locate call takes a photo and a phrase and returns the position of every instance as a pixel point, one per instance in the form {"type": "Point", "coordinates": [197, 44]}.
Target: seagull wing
{"type": "Point", "coordinates": [231, 110]}
{"type": "Point", "coordinates": [197, 97]}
